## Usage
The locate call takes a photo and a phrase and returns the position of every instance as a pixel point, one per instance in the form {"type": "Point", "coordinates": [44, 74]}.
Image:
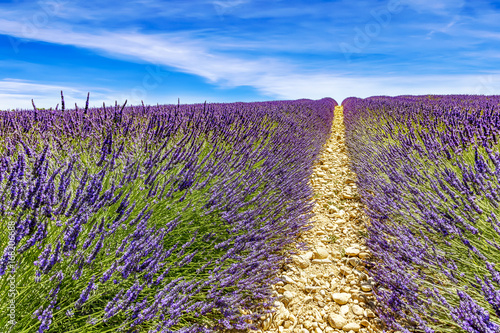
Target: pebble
{"type": "Point", "coordinates": [336, 321]}
{"type": "Point", "coordinates": [344, 309]}
{"type": "Point", "coordinates": [281, 316]}
{"type": "Point", "coordinates": [353, 262]}
{"type": "Point", "coordinates": [308, 255]}
{"type": "Point", "coordinates": [357, 310]}
{"type": "Point", "coordinates": [301, 261]}
{"type": "Point", "coordinates": [352, 251]}
{"type": "Point", "coordinates": [288, 296]}
{"type": "Point", "coordinates": [345, 270]}
{"type": "Point", "coordinates": [347, 195]}
{"type": "Point", "coordinates": [307, 299]}
{"type": "Point", "coordinates": [321, 261]}
{"type": "Point", "coordinates": [336, 254]}
{"type": "Point", "coordinates": [266, 323]}
{"type": "Point", "coordinates": [351, 327]}
{"type": "Point", "coordinates": [366, 287]}
{"type": "Point", "coordinates": [341, 298]}
{"type": "Point", "coordinates": [321, 253]}
{"type": "Point", "coordinates": [363, 255]}
{"type": "Point", "coordinates": [312, 289]}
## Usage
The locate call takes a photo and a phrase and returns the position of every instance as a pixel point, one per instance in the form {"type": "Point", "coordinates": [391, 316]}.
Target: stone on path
{"type": "Point", "coordinates": [351, 327]}
{"type": "Point", "coordinates": [288, 296]}
{"type": "Point", "coordinates": [344, 309]}
{"type": "Point", "coordinates": [336, 321]}
{"type": "Point", "coordinates": [301, 261]}
{"type": "Point", "coordinates": [321, 253]}
{"type": "Point", "coordinates": [341, 298]}
{"type": "Point", "coordinates": [366, 287]}
{"type": "Point", "coordinates": [357, 310]}
{"type": "Point", "coordinates": [352, 251]}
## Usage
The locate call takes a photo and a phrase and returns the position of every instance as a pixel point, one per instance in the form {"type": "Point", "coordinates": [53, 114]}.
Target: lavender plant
{"type": "Point", "coordinates": [429, 174]}
{"type": "Point", "coordinates": [151, 218]}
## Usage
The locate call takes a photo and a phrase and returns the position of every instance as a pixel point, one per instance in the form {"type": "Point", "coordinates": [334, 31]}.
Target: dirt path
{"type": "Point", "coordinates": [326, 289]}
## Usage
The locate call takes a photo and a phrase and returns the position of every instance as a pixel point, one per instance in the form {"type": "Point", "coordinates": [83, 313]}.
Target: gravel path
{"type": "Point", "coordinates": [326, 289]}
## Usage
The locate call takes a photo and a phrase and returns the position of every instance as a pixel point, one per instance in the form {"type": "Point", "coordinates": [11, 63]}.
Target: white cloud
{"type": "Point", "coordinates": [188, 56]}
{"type": "Point", "coordinates": [281, 86]}
{"type": "Point", "coordinates": [318, 86]}
{"type": "Point", "coordinates": [18, 94]}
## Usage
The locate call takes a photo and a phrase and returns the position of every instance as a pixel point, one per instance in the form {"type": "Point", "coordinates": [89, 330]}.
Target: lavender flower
{"type": "Point", "coordinates": [85, 293]}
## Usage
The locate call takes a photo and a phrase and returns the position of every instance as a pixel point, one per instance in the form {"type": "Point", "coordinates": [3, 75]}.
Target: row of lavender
{"type": "Point", "coordinates": [429, 174]}
{"type": "Point", "coordinates": [151, 219]}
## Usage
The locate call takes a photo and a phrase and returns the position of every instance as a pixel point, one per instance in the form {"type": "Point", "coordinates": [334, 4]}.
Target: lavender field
{"type": "Point", "coordinates": [428, 171]}
{"type": "Point", "coordinates": [151, 218]}
{"type": "Point", "coordinates": [178, 218]}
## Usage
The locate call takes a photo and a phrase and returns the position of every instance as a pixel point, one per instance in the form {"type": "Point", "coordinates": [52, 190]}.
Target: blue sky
{"type": "Point", "coordinates": [244, 50]}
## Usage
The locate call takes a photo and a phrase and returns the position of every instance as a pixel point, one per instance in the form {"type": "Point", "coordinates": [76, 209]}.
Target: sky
{"type": "Point", "coordinates": [244, 50]}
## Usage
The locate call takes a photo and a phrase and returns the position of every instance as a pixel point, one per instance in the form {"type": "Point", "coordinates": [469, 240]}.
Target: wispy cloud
{"type": "Point", "coordinates": [438, 7]}
{"type": "Point", "coordinates": [18, 93]}
{"type": "Point", "coordinates": [163, 49]}
{"type": "Point", "coordinates": [223, 6]}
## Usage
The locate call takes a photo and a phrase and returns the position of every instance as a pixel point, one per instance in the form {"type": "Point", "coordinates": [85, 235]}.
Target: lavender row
{"type": "Point", "coordinates": [152, 218]}
{"type": "Point", "coordinates": [429, 173]}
